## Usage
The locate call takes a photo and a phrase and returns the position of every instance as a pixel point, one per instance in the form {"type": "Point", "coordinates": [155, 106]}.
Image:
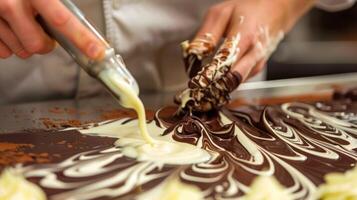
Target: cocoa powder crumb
{"type": "Point", "coordinates": [60, 123]}
{"type": "Point", "coordinates": [12, 153]}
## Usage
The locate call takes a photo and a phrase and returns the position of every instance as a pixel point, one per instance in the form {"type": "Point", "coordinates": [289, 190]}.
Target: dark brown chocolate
{"type": "Point", "coordinates": [298, 143]}
{"type": "Point", "coordinates": [210, 87]}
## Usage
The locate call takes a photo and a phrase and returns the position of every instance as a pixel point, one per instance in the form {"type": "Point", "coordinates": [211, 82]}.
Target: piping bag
{"type": "Point", "coordinates": [111, 64]}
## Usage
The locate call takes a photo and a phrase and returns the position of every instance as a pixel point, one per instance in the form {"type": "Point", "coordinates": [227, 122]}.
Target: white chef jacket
{"type": "Point", "coordinates": [147, 33]}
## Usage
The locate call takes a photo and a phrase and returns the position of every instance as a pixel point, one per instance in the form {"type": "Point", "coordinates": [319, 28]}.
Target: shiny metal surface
{"type": "Point", "coordinates": [35, 115]}
{"type": "Point", "coordinates": [296, 86]}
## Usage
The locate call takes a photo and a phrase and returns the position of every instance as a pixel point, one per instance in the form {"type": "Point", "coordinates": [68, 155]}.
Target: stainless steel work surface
{"type": "Point", "coordinates": [61, 114]}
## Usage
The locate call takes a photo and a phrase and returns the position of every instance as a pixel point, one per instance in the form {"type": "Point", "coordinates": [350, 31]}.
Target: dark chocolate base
{"type": "Point", "coordinates": [298, 143]}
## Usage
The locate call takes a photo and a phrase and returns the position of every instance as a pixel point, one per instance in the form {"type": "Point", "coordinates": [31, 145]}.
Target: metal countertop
{"type": "Point", "coordinates": [42, 115]}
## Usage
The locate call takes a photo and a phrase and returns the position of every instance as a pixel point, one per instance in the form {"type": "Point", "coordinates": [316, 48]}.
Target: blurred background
{"type": "Point", "coordinates": [322, 43]}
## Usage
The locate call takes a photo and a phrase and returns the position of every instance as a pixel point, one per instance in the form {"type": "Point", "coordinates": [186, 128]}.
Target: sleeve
{"type": "Point", "coordinates": [335, 5]}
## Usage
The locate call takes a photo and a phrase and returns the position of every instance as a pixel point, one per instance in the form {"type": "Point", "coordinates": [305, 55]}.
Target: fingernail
{"type": "Point", "coordinates": [5, 54]}
{"type": "Point", "coordinates": [23, 54]}
{"type": "Point", "coordinates": [94, 50]}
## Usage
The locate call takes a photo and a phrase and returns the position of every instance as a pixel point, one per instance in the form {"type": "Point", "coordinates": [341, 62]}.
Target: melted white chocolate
{"type": "Point", "coordinates": [109, 173]}
{"type": "Point", "coordinates": [129, 99]}
{"type": "Point", "coordinates": [146, 148]}
{"type": "Point", "coordinates": [339, 186]}
{"type": "Point", "coordinates": [165, 150]}
{"type": "Point", "coordinates": [266, 188]}
{"type": "Point", "coordinates": [13, 186]}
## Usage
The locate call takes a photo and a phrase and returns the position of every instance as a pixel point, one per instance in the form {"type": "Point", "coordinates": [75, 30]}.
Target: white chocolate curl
{"type": "Point", "coordinates": [210, 88]}
{"type": "Point", "coordinates": [201, 46]}
{"type": "Point", "coordinates": [194, 52]}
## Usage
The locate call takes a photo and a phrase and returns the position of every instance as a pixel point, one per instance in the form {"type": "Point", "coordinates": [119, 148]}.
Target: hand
{"type": "Point", "coordinates": [22, 35]}
{"type": "Point", "coordinates": [253, 29]}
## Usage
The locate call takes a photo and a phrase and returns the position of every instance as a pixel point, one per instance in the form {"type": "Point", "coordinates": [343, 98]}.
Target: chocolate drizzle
{"type": "Point", "coordinates": [298, 143]}
{"type": "Point", "coordinates": [195, 51]}
{"type": "Point", "coordinates": [210, 88]}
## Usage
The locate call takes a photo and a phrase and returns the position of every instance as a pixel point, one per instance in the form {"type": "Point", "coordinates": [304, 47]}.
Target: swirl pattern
{"type": "Point", "coordinates": [297, 143]}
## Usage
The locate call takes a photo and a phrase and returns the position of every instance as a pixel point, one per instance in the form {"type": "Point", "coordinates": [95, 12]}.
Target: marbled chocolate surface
{"type": "Point", "coordinates": [298, 143]}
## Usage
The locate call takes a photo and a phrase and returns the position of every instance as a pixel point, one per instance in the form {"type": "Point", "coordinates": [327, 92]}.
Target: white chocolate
{"type": "Point", "coordinates": [129, 99]}
{"type": "Point", "coordinates": [266, 188]}
{"type": "Point", "coordinates": [124, 181]}
{"type": "Point", "coordinates": [339, 186]}
{"type": "Point", "coordinates": [13, 186]}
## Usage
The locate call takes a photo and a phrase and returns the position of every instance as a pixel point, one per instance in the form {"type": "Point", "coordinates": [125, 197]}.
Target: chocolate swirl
{"type": "Point", "coordinates": [195, 51]}
{"type": "Point", "coordinates": [298, 143]}
{"type": "Point", "coordinates": [210, 88]}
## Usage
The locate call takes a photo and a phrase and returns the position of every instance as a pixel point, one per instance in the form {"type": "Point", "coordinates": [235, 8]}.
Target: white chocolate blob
{"type": "Point", "coordinates": [267, 188]}
{"type": "Point", "coordinates": [339, 186]}
{"type": "Point", "coordinates": [13, 186]}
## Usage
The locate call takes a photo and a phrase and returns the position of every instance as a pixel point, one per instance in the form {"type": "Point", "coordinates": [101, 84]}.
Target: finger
{"type": "Point", "coordinates": [5, 52]}
{"type": "Point", "coordinates": [258, 68]}
{"type": "Point", "coordinates": [208, 36]}
{"type": "Point", "coordinates": [11, 41]}
{"type": "Point", "coordinates": [225, 57]}
{"type": "Point", "coordinates": [259, 46]}
{"type": "Point", "coordinates": [195, 52]}
{"type": "Point", "coordinates": [58, 16]}
{"type": "Point", "coordinates": [27, 30]}
{"type": "Point", "coordinates": [245, 29]}
{"type": "Point", "coordinates": [216, 21]}
{"type": "Point", "coordinates": [246, 64]}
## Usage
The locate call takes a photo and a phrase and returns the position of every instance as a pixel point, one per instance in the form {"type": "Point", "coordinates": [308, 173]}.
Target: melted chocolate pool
{"type": "Point", "coordinates": [298, 143]}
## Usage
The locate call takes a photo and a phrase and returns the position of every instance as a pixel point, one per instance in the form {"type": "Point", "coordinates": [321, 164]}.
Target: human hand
{"type": "Point", "coordinates": [253, 29]}
{"type": "Point", "coordinates": [22, 35]}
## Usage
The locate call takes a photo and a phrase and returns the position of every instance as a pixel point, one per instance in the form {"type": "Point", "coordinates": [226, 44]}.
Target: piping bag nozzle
{"type": "Point", "coordinates": [111, 63]}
